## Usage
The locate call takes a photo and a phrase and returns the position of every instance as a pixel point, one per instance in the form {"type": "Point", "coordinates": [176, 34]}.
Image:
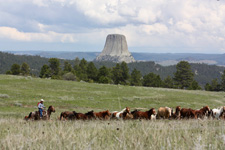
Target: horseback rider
{"type": "Point", "coordinates": [41, 107]}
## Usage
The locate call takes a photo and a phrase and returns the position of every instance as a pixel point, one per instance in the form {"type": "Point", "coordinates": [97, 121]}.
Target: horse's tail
{"type": "Point", "coordinates": [30, 115]}
{"type": "Point", "coordinates": [61, 116]}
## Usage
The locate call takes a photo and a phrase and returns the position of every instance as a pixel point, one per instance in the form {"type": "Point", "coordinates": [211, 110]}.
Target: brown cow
{"type": "Point", "coordinates": [143, 115]}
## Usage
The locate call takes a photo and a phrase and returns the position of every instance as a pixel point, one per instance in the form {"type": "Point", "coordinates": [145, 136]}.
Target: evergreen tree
{"type": "Point", "coordinates": [135, 79]}
{"type": "Point", "coordinates": [168, 82]}
{"type": "Point", "coordinates": [117, 75]}
{"type": "Point", "coordinates": [92, 71]}
{"type": "Point", "coordinates": [15, 69]}
{"type": "Point", "coordinates": [54, 66]}
{"type": "Point", "coordinates": [152, 80]}
{"type": "Point", "coordinates": [67, 67]}
{"type": "Point", "coordinates": [25, 69]}
{"type": "Point", "coordinates": [223, 81]}
{"type": "Point", "coordinates": [208, 87]}
{"type": "Point", "coordinates": [45, 72]}
{"type": "Point", "coordinates": [103, 75]}
{"type": "Point", "coordinates": [183, 75]}
{"type": "Point", "coordinates": [194, 86]}
{"type": "Point", "coordinates": [82, 70]}
{"type": "Point", "coordinates": [76, 61]}
{"type": "Point", "coordinates": [125, 72]}
{"type": "Point", "coordinates": [215, 86]}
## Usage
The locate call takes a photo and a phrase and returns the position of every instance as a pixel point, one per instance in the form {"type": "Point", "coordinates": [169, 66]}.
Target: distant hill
{"type": "Point", "coordinates": [203, 73]}
{"type": "Point", "coordinates": [164, 59]}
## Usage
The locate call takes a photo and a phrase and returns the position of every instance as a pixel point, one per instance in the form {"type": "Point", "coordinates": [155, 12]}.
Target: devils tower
{"type": "Point", "coordinates": [115, 50]}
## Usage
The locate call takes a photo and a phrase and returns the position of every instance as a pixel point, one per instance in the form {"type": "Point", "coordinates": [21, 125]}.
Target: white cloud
{"type": "Point", "coordinates": [50, 36]}
{"type": "Point", "coordinates": [190, 24]}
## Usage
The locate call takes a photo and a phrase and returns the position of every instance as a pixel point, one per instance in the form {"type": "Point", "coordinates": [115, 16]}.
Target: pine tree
{"type": "Point", "coordinates": [194, 86]}
{"type": "Point", "coordinates": [223, 81]}
{"type": "Point", "coordinates": [45, 72]}
{"type": "Point", "coordinates": [92, 71]}
{"type": "Point", "coordinates": [25, 69]}
{"type": "Point", "coordinates": [168, 82]}
{"type": "Point", "coordinates": [208, 87]}
{"type": "Point", "coordinates": [125, 72]}
{"type": "Point", "coordinates": [54, 66]}
{"type": "Point", "coordinates": [67, 67]}
{"type": "Point", "coordinates": [215, 86]}
{"type": "Point", "coordinates": [82, 72]}
{"type": "Point", "coordinates": [103, 75]}
{"type": "Point", "coordinates": [152, 80]}
{"type": "Point", "coordinates": [135, 79]}
{"type": "Point", "coordinates": [15, 69]}
{"type": "Point", "coordinates": [117, 75]}
{"type": "Point", "coordinates": [183, 75]}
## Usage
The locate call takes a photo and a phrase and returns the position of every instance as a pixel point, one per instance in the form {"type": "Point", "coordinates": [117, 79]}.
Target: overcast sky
{"type": "Point", "coordinates": [154, 26]}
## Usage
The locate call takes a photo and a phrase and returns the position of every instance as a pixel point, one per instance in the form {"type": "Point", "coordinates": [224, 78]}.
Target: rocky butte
{"type": "Point", "coordinates": [115, 50]}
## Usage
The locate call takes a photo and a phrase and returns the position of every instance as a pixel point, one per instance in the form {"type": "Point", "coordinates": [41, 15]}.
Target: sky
{"type": "Point", "coordinates": [154, 26]}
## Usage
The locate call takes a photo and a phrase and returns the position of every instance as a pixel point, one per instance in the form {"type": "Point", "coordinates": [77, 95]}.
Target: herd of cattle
{"type": "Point", "coordinates": [162, 112]}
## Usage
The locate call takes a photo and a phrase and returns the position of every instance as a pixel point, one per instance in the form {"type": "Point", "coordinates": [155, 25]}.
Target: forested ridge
{"type": "Point", "coordinates": [203, 73]}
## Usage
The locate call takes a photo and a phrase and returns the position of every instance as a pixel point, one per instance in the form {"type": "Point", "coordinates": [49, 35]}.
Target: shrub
{"type": "Point", "coordinates": [69, 76]}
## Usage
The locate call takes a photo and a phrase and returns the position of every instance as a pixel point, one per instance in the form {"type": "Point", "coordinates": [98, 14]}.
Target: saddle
{"type": "Point", "coordinates": [44, 113]}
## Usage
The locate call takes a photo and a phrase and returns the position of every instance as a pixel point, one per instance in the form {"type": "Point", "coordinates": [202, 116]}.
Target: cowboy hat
{"type": "Point", "coordinates": [42, 100]}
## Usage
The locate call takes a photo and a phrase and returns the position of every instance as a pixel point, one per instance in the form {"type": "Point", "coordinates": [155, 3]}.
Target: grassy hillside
{"type": "Point", "coordinates": [19, 95]}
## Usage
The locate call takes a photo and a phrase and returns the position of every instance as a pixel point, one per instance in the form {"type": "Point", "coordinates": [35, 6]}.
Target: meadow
{"type": "Point", "coordinates": [20, 95]}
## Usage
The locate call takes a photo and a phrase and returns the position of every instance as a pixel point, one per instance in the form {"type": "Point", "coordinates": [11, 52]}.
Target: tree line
{"type": "Point", "coordinates": [183, 78]}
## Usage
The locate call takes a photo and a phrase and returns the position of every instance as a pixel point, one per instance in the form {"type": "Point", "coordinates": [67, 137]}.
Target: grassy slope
{"type": "Point", "coordinates": [16, 133]}
{"type": "Point", "coordinates": [80, 96]}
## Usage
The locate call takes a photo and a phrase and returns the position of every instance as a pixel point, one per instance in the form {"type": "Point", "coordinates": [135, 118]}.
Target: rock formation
{"type": "Point", "coordinates": [115, 50]}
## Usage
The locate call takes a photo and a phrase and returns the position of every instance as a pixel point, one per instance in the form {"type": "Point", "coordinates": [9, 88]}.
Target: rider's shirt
{"type": "Point", "coordinates": [40, 105]}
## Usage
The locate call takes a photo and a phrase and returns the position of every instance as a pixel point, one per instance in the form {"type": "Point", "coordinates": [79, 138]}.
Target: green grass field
{"type": "Point", "coordinates": [20, 95]}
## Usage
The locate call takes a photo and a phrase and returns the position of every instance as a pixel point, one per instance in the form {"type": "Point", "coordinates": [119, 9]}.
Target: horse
{"type": "Point", "coordinates": [66, 115]}
{"type": "Point", "coordinates": [36, 115]}
{"type": "Point", "coordinates": [187, 113]}
{"type": "Point", "coordinates": [118, 115]}
{"type": "Point", "coordinates": [176, 114]}
{"type": "Point", "coordinates": [164, 112]}
{"type": "Point", "coordinates": [217, 113]}
{"type": "Point", "coordinates": [202, 112]}
{"type": "Point", "coordinates": [103, 115]}
{"type": "Point", "coordinates": [127, 116]}
{"type": "Point", "coordinates": [143, 115]}
{"type": "Point", "coordinates": [78, 116]}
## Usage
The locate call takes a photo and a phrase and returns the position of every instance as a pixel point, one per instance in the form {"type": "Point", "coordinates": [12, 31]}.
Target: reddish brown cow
{"type": "Point", "coordinates": [103, 115]}
{"type": "Point", "coordinates": [143, 115]}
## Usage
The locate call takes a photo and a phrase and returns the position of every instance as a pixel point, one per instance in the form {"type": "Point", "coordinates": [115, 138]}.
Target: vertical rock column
{"type": "Point", "coordinates": [115, 49]}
